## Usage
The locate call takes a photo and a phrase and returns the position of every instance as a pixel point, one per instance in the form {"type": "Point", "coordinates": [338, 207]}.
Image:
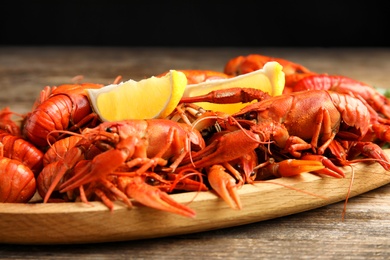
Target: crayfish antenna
{"type": "Point", "coordinates": [77, 79]}
{"type": "Point", "coordinates": [237, 123]}
{"type": "Point", "coordinates": [348, 194]}
{"type": "Point", "coordinates": [64, 132]}
{"type": "Point", "coordinates": [117, 79]}
{"type": "Point", "coordinates": [181, 177]}
{"type": "Point", "coordinates": [291, 188]}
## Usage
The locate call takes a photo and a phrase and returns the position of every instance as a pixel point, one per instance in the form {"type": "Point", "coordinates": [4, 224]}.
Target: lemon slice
{"type": "Point", "coordinates": [269, 79]}
{"type": "Point", "coordinates": [154, 97]}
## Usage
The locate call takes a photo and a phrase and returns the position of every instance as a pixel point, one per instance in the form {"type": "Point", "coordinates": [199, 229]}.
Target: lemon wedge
{"type": "Point", "coordinates": [154, 97]}
{"type": "Point", "coordinates": [269, 79]}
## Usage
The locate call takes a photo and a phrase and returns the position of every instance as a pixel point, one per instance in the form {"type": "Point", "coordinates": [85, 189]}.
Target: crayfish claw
{"type": "Point", "coordinates": [330, 169]}
{"type": "Point", "coordinates": [155, 198]}
{"type": "Point", "coordinates": [224, 185]}
{"type": "Point", "coordinates": [293, 167]}
{"type": "Point", "coordinates": [374, 151]}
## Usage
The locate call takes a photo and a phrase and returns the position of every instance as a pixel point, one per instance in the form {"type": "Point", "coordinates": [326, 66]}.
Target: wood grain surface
{"type": "Point", "coordinates": [316, 234]}
{"type": "Point", "coordinates": [75, 223]}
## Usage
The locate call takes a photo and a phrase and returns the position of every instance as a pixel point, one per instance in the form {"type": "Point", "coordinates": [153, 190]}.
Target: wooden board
{"type": "Point", "coordinates": [74, 223]}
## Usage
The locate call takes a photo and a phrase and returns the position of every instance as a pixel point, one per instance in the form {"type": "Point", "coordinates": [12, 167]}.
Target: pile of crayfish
{"type": "Point", "coordinates": [65, 153]}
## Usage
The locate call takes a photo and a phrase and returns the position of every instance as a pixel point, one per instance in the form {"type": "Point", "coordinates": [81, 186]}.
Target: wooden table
{"type": "Point", "coordinates": [316, 234]}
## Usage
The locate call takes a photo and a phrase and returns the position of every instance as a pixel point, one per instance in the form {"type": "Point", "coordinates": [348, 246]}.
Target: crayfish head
{"type": "Point", "coordinates": [101, 133]}
{"type": "Point", "coordinates": [209, 119]}
{"type": "Point", "coordinates": [194, 137]}
{"type": "Point", "coordinates": [269, 130]}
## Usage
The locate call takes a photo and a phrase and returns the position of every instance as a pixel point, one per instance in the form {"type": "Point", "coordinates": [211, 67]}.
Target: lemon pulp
{"type": "Point", "coordinates": [148, 98]}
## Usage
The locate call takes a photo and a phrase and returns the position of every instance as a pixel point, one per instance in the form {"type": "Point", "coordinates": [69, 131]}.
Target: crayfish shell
{"type": "Point", "coordinates": [17, 181]}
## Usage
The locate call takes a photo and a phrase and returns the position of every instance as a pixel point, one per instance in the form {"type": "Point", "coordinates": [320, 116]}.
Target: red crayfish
{"type": "Point", "coordinates": [319, 123]}
{"type": "Point", "coordinates": [127, 151]}
{"type": "Point", "coordinates": [65, 107]}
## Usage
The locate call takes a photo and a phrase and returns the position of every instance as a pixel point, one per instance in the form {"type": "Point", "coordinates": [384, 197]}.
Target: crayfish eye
{"type": "Point", "coordinates": [109, 130]}
{"type": "Point", "coordinates": [152, 181]}
{"type": "Point", "coordinates": [250, 115]}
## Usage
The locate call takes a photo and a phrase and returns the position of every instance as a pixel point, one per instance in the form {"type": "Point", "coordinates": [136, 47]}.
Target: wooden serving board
{"type": "Point", "coordinates": [76, 223]}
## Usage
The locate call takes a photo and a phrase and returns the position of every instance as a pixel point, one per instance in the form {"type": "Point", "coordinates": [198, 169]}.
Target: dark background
{"type": "Point", "coordinates": [194, 23]}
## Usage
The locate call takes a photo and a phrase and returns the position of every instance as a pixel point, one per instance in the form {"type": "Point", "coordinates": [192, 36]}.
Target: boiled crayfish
{"type": "Point", "coordinates": [20, 162]}
{"type": "Point", "coordinates": [131, 150]}
{"type": "Point", "coordinates": [65, 107]}
{"type": "Point", "coordinates": [319, 123]}
{"type": "Point", "coordinates": [322, 117]}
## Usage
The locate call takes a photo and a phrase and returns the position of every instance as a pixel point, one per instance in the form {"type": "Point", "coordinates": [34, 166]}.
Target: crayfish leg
{"type": "Point", "coordinates": [117, 193]}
